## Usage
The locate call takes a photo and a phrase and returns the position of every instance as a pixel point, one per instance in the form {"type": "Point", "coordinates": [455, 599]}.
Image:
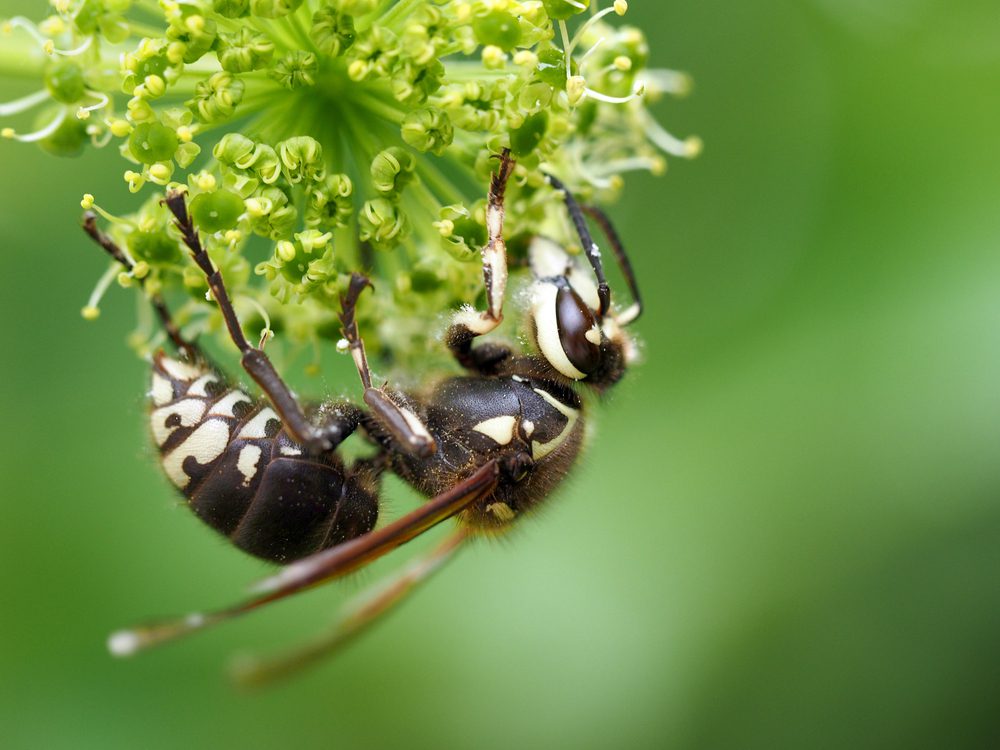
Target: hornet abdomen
{"type": "Point", "coordinates": [244, 476]}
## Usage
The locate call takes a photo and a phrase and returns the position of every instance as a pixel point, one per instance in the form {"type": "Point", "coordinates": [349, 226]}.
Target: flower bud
{"type": "Point", "coordinates": [217, 97]}
{"type": "Point", "coordinates": [332, 31]}
{"type": "Point", "coordinates": [381, 223]}
{"type": "Point", "coordinates": [244, 50]}
{"type": "Point", "coordinates": [295, 70]}
{"type": "Point", "coordinates": [428, 129]}
{"type": "Point", "coordinates": [392, 169]}
{"type": "Point", "coordinates": [301, 158]}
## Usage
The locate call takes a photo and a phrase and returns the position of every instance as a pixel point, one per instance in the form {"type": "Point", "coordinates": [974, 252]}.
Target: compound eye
{"type": "Point", "coordinates": [579, 332]}
{"type": "Point", "coordinates": [566, 330]}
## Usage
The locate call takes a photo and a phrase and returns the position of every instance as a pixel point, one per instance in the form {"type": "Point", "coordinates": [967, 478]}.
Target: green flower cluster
{"type": "Point", "coordinates": [326, 136]}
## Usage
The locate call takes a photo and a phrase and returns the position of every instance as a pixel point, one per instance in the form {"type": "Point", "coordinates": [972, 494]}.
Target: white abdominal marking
{"type": "Point", "coordinates": [204, 445]}
{"type": "Point", "coordinates": [162, 391]}
{"type": "Point", "coordinates": [180, 370]}
{"type": "Point", "coordinates": [541, 450]}
{"type": "Point", "coordinates": [254, 429]}
{"type": "Point", "coordinates": [225, 405]}
{"type": "Point", "coordinates": [247, 463]}
{"type": "Point", "coordinates": [499, 429]}
{"type": "Point", "coordinates": [198, 387]}
{"type": "Point", "coordinates": [189, 411]}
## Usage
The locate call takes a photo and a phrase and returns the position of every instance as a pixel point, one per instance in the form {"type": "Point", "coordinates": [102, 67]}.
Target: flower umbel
{"type": "Point", "coordinates": [342, 134]}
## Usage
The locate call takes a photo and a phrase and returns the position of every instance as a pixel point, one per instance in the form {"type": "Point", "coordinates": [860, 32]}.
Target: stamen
{"type": "Point", "coordinates": [567, 49]}
{"type": "Point", "coordinates": [266, 333]}
{"type": "Point", "coordinates": [49, 46]}
{"type": "Point", "coordinates": [77, 50]}
{"type": "Point", "coordinates": [662, 80]}
{"type": "Point", "coordinates": [637, 92]}
{"type": "Point", "coordinates": [585, 55]}
{"type": "Point", "coordinates": [688, 148]}
{"type": "Point", "coordinates": [23, 104]}
{"type": "Point", "coordinates": [88, 204]}
{"type": "Point", "coordinates": [38, 134]}
{"type": "Point", "coordinates": [102, 101]}
{"type": "Point", "coordinates": [91, 310]}
{"type": "Point", "coordinates": [656, 165]}
{"type": "Point", "coordinates": [587, 24]}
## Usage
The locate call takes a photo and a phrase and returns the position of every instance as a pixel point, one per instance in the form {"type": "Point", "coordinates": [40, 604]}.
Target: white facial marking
{"type": "Point", "coordinates": [162, 391]}
{"type": "Point", "coordinates": [593, 335]}
{"type": "Point", "coordinates": [541, 450]}
{"type": "Point", "coordinates": [204, 445]}
{"type": "Point", "coordinates": [180, 370]}
{"type": "Point", "coordinates": [528, 426]}
{"type": "Point", "coordinates": [198, 387]}
{"type": "Point", "coordinates": [501, 511]}
{"type": "Point", "coordinates": [247, 463]}
{"type": "Point", "coordinates": [547, 258]}
{"type": "Point", "coordinates": [629, 314]}
{"type": "Point", "coordinates": [254, 429]}
{"type": "Point", "coordinates": [225, 405]}
{"type": "Point", "coordinates": [584, 285]}
{"type": "Point", "coordinates": [189, 411]}
{"type": "Point", "coordinates": [543, 309]}
{"type": "Point", "coordinates": [499, 429]}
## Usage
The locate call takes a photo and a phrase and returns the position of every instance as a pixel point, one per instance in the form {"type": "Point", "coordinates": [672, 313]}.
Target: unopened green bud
{"type": "Point", "coordinates": [332, 31]}
{"type": "Point", "coordinates": [464, 237]}
{"type": "Point", "coordinates": [302, 157]}
{"type": "Point", "coordinates": [381, 223]}
{"type": "Point", "coordinates": [244, 50]}
{"type": "Point", "coordinates": [217, 97]}
{"type": "Point", "coordinates": [296, 69]}
{"type": "Point", "coordinates": [232, 147]}
{"type": "Point", "coordinates": [331, 205]}
{"type": "Point", "coordinates": [428, 129]}
{"type": "Point", "coordinates": [392, 169]}
{"type": "Point", "coordinates": [196, 32]}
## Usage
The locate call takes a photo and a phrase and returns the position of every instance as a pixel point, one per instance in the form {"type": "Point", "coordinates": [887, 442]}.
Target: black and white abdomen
{"type": "Point", "coordinates": [244, 476]}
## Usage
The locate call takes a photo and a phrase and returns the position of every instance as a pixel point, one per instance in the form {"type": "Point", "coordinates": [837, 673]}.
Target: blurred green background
{"type": "Point", "coordinates": [786, 533]}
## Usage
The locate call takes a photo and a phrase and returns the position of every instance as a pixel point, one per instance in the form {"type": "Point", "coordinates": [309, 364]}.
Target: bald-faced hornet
{"type": "Point", "coordinates": [486, 448]}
